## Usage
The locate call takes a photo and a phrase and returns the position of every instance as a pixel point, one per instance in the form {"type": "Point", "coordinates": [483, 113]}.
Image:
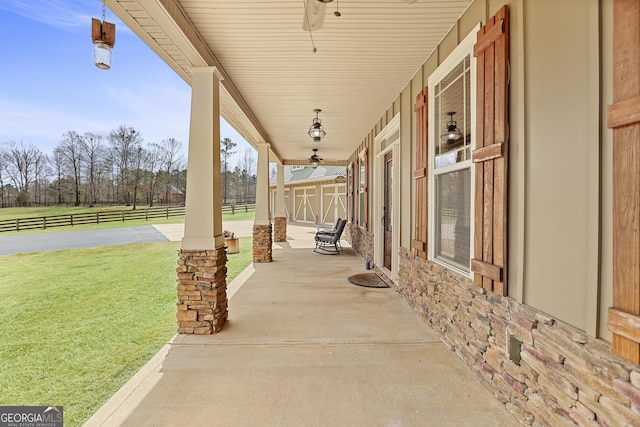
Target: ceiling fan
{"type": "Point", "coordinates": [314, 160]}
{"type": "Point", "coordinates": [314, 13]}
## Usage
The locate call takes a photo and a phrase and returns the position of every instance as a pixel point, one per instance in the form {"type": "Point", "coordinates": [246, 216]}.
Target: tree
{"type": "Point", "coordinates": [124, 148]}
{"type": "Point", "coordinates": [57, 161]}
{"type": "Point", "coordinates": [91, 168]}
{"type": "Point", "coordinates": [139, 155]}
{"type": "Point", "coordinates": [225, 151]}
{"type": "Point", "coordinates": [171, 159]}
{"type": "Point", "coordinates": [3, 168]}
{"type": "Point", "coordinates": [71, 148]}
{"type": "Point", "coordinates": [21, 168]}
{"type": "Point", "coordinates": [41, 172]}
{"type": "Point", "coordinates": [93, 159]}
{"type": "Point", "coordinates": [247, 166]}
{"type": "Point", "coordinates": [180, 180]}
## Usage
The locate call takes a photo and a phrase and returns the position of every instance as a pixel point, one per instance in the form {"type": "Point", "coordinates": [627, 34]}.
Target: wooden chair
{"type": "Point", "coordinates": [328, 243]}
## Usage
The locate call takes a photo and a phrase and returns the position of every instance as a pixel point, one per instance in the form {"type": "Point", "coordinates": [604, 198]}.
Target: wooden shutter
{"type": "Point", "coordinates": [365, 162]}
{"type": "Point", "coordinates": [624, 119]}
{"type": "Point", "coordinates": [489, 263]}
{"type": "Point", "coordinates": [356, 191]}
{"type": "Point", "coordinates": [420, 175]}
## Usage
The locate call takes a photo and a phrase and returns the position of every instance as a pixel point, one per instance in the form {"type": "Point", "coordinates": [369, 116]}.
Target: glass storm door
{"type": "Point", "coordinates": [387, 208]}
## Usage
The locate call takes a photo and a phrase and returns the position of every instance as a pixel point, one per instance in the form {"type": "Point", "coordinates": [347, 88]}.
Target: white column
{"type": "Point", "coordinates": [280, 210]}
{"type": "Point", "coordinates": [263, 216]}
{"type": "Point", "coordinates": [203, 217]}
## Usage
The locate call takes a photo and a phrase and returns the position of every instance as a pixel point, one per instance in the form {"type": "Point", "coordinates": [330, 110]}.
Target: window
{"type": "Point", "coordinates": [350, 192]}
{"type": "Point", "coordinates": [453, 217]}
{"type": "Point", "coordinates": [452, 104]}
{"type": "Point", "coordinates": [450, 165]}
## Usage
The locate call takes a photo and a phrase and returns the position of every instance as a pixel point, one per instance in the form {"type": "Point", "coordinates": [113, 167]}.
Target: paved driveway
{"type": "Point", "coordinates": [10, 245]}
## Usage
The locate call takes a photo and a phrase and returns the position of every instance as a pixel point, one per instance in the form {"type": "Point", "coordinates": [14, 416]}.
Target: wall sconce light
{"type": "Point", "coordinates": [452, 134]}
{"type": "Point", "coordinates": [103, 35]}
{"type": "Point", "coordinates": [316, 131]}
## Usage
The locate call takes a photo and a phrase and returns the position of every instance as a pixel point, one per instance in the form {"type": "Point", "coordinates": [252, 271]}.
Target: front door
{"type": "Point", "coordinates": [387, 208]}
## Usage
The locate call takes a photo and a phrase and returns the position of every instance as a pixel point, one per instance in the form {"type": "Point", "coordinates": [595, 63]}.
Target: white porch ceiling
{"type": "Point", "coordinates": [273, 80]}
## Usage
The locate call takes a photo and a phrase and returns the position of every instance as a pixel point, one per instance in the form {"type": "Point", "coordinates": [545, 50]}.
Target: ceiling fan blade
{"type": "Point", "coordinates": [410, 1]}
{"type": "Point", "coordinates": [314, 15]}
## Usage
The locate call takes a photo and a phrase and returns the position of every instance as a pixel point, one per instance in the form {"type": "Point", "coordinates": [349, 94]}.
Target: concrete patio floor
{"type": "Point", "coordinates": [303, 347]}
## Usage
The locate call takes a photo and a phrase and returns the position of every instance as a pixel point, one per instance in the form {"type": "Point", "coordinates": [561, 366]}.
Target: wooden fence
{"type": "Point", "coordinates": [70, 220]}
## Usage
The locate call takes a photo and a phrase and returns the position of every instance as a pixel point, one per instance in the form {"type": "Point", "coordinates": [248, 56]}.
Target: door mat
{"type": "Point", "coordinates": [368, 280]}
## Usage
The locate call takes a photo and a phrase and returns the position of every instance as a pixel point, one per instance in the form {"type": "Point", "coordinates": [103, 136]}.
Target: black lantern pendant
{"type": "Point", "coordinates": [452, 134]}
{"type": "Point", "coordinates": [316, 131]}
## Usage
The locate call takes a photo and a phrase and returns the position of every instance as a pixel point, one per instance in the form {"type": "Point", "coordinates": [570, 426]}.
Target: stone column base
{"type": "Point", "coordinates": [280, 229]}
{"type": "Point", "coordinates": [262, 243]}
{"type": "Point", "coordinates": [202, 291]}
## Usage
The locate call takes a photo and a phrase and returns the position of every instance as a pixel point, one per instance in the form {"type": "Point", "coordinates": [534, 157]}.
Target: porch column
{"type": "Point", "coordinates": [280, 216]}
{"type": "Point", "coordinates": [262, 222]}
{"type": "Point", "coordinates": [202, 272]}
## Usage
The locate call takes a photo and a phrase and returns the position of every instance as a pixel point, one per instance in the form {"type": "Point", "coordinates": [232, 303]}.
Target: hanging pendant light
{"type": "Point", "coordinates": [103, 35]}
{"type": "Point", "coordinates": [452, 134]}
{"type": "Point", "coordinates": [316, 131]}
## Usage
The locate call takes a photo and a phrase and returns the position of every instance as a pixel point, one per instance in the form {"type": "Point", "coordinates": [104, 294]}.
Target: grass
{"type": "Point", "coordinates": [77, 324]}
{"type": "Point", "coordinates": [236, 263]}
{"type": "Point", "coordinates": [240, 215]}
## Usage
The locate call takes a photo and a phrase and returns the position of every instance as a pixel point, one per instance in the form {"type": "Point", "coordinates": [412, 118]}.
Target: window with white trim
{"type": "Point", "coordinates": [451, 88]}
{"type": "Point", "coordinates": [350, 188]}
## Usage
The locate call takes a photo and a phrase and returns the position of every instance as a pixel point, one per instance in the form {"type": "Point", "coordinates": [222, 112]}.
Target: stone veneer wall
{"type": "Point", "coordinates": [280, 229]}
{"type": "Point", "coordinates": [360, 240]}
{"type": "Point", "coordinates": [262, 243]}
{"type": "Point", "coordinates": [202, 291]}
{"type": "Point", "coordinates": [564, 376]}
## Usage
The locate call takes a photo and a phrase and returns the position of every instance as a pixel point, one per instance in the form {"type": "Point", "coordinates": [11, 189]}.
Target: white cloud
{"type": "Point", "coordinates": [56, 13]}
{"type": "Point", "coordinates": [62, 14]}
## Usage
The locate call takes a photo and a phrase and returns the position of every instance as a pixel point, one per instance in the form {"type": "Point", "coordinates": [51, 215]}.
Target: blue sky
{"type": "Point", "coordinates": [49, 85]}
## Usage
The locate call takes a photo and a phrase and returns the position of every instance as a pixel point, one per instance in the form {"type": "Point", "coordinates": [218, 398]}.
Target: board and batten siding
{"type": "Point", "coordinates": [558, 181]}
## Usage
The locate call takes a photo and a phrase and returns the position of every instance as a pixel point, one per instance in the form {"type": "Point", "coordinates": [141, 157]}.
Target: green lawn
{"type": "Point", "coordinates": [77, 324]}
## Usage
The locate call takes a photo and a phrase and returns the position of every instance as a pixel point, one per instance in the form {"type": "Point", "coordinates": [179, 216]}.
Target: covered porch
{"type": "Point", "coordinates": [305, 347]}
{"type": "Point", "coordinates": [491, 149]}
